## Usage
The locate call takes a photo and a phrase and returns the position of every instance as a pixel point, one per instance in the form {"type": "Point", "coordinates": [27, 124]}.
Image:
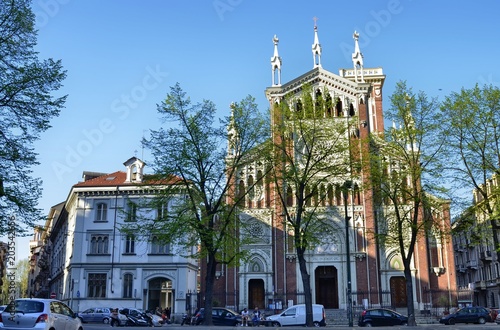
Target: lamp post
{"type": "Point", "coordinates": [347, 186]}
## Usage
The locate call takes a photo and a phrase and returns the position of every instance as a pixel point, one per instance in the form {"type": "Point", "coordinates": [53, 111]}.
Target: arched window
{"type": "Point", "coordinates": [102, 212]}
{"type": "Point", "coordinates": [128, 281]}
{"type": "Point", "coordinates": [130, 244]}
{"type": "Point", "coordinates": [319, 103]}
{"type": "Point", "coordinates": [260, 188]}
{"type": "Point", "coordinates": [338, 107]}
{"type": "Point", "coordinates": [241, 193]}
{"type": "Point", "coordinates": [329, 105]}
{"type": "Point", "coordinates": [330, 195]}
{"type": "Point", "coordinates": [289, 197]}
{"type": "Point", "coordinates": [99, 244]}
{"type": "Point", "coordinates": [251, 191]}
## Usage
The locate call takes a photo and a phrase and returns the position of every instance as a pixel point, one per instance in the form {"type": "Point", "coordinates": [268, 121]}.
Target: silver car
{"type": "Point", "coordinates": [97, 314]}
{"type": "Point", "coordinates": [39, 314]}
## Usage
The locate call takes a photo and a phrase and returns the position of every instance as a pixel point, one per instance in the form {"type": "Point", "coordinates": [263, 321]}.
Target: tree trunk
{"type": "Point", "coordinates": [307, 287]}
{"type": "Point", "coordinates": [209, 290]}
{"type": "Point", "coordinates": [409, 297]}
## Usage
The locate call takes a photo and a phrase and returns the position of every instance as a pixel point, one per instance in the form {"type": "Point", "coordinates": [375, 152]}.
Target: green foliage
{"type": "Point", "coordinates": [406, 169]}
{"type": "Point", "coordinates": [26, 107]}
{"type": "Point", "coordinates": [200, 155]}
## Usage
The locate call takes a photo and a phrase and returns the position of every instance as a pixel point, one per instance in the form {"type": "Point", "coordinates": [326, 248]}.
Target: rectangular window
{"type": "Point", "coordinates": [161, 212]}
{"type": "Point", "coordinates": [96, 285]}
{"type": "Point", "coordinates": [158, 247]}
{"type": "Point", "coordinates": [132, 213]}
{"type": "Point", "coordinates": [130, 244]}
{"type": "Point", "coordinates": [99, 244]}
{"type": "Point", "coordinates": [101, 212]}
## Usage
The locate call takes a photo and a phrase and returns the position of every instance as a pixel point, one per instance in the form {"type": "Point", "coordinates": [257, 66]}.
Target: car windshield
{"type": "Point", "coordinates": [26, 306]}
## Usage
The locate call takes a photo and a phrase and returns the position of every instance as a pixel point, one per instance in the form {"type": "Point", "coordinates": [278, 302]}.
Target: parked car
{"type": "Point", "coordinates": [97, 314]}
{"type": "Point", "coordinates": [2, 308]}
{"type": "Point", "coordinates": [220, 316]}
{"type": "Point", "coordinates": [377, 317]}
{"type": "Point", "coordinates": [479, 315]}
{"type": "Point", "coordinates": [34, 313]}
{"type": "Point", "coordinates": [296, 315]}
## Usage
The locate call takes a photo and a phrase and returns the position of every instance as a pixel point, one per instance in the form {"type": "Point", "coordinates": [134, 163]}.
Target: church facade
{"type": "Point", "coordinates": [270, 279]}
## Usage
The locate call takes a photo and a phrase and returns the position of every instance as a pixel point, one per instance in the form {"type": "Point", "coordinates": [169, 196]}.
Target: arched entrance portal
{"type": "Point", "coordinates": [327, 289]}
{"type": "Point", "coordinates": [398, 291]}
{"type": "Point", "coordinates": [256, 294]}
{"type": "Point", "coordinates": [160, 293]}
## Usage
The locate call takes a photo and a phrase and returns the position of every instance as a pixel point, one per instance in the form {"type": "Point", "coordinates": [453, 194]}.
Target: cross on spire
{"type": "Point", "coordinates": [315, 19]}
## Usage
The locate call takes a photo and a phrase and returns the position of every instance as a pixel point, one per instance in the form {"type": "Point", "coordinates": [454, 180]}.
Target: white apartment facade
{"type": "Point", "coordinates": [95, 264]}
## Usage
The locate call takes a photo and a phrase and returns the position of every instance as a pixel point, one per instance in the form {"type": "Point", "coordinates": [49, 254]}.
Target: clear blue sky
{"type": "Point", "coordinates": [122, 57]}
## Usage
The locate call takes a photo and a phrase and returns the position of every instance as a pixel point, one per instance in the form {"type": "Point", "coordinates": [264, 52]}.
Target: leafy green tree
{"type": "Point", "coordinates": [310, 161]}
{"type": "Point", "coordinates": [472, 132]}
{"type": "Point", "coordinates": [405, 177]}
{"type": "Point", "coordinates": [22, 273]}
{"type": "Point", "coordinates": [200, 155]}
{"type": "Point", "coordinates": [26, 107]}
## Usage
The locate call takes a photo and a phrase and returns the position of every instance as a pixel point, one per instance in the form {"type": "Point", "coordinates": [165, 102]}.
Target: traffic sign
{"type": "Point", "coordinates": [53, 295]}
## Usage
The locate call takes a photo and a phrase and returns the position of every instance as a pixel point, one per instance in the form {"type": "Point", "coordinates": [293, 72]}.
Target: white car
{"type": "Point", "coordinates": [39, 314]}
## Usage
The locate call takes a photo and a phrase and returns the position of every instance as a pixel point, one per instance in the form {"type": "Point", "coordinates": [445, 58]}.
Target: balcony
{"type": "Point", "coordinates": [472, 264]}
{"type": "Point", "coordinates": [485, 256]}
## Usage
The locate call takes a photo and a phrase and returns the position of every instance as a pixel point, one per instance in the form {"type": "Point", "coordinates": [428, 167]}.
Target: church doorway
{"type": "Point", "coordinates": [160, 293]}
{"type": "Point", "coordinates": [327, 288]}
{"type": "Point", "coordinates": [256, 294]}
{"type": "Point", "coordinates": [398, 291]}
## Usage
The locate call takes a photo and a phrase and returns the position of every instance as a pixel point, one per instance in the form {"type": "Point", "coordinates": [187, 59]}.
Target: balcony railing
{"type": "Point", "coordinates": [485, 255]}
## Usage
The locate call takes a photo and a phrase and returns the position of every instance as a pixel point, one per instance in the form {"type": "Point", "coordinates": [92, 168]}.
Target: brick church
{"type": "Point", "coordinates": [270, 279]}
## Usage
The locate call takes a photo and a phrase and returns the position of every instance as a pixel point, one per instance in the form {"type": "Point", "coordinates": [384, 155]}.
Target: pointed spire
{"type": "Point", "coordinates": [276, 64]}
{"type": "Point", "coordinates": [357, 59]}
{"type": "Point", "coordinates": [316, 47]}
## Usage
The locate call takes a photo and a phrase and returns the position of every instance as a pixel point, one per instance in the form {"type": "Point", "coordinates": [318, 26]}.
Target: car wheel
{"type": "Point", "coordinates": [276, 324]}
{"type": "Point", "coordinates": [316, 324]}
{"type": "Point", "coordinates": [237, 324]}
{"type": "Point", "coordinates": [105, 321]}
{"type": "Point", "coordinates": [451, 321]}
{"type": "Point", "coordinates": [404, 323]}
{"type": "Point", "coordinates": [481, 320]}
{"type": "Point", "coordinates": [368, 324]}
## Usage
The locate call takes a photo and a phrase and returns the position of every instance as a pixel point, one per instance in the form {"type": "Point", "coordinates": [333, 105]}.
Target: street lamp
{"type": "Point", "coordinates": [346, 187]}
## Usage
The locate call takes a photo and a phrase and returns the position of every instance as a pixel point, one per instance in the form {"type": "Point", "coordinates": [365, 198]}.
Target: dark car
{"type": "Point", "coordinates": [479, 315]}
{"type": "Point", "coordinates": [220, 316]}
{"type": "Point", "coordinates": [381, 317]}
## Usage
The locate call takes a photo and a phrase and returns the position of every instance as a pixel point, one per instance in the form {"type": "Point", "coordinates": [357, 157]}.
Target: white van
{"type": "Point", "coordinates": [296, 315]}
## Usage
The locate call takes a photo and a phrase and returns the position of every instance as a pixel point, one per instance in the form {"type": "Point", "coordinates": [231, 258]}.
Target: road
{"type": "Point", "coordinates": [488, 326]}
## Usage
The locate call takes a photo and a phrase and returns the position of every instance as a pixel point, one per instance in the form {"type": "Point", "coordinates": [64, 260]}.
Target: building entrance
{"type": "Point", "coordinates": [256, 294]}
{"type": "Point", "coordinates": [327, 288]}
{"type": "Point", "coordinates": [160, 293]}
{"type": "Point", "coordinates": [398, 291]}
